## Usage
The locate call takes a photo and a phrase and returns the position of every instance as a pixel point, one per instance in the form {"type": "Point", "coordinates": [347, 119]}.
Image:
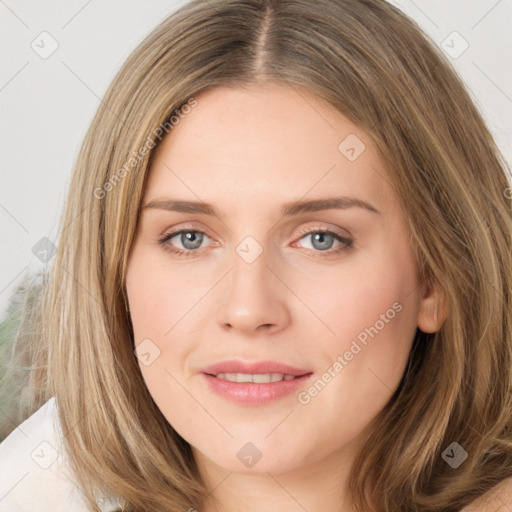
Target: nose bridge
{"type": "Point", "coordinates": [249, 280]}
{"type": "Point", "coordinates": [250, 263]}
{"type": "Point", "coordinates": [251, 298]}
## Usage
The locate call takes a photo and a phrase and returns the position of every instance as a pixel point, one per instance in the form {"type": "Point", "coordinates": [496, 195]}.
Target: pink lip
{"type": "Point", "coordinates": [250, 393]}
{"type": "Point", "coordinates": [257, 367]}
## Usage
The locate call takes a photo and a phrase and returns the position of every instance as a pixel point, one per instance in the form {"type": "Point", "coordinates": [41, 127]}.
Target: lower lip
{"type": "Point", "coordinates": [250, 393]}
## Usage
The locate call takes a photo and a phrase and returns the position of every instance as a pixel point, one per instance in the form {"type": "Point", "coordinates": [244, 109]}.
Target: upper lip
{"type": "Point", "coordinates": [252, 368]}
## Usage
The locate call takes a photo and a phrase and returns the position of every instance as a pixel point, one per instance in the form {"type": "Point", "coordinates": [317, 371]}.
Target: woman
{"type": "Point", "coordinates": [283, 279]}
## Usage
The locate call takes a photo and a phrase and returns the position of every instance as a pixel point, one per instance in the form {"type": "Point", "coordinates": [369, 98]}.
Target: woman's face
{"type": "Point", "coordinates": [251, 279]}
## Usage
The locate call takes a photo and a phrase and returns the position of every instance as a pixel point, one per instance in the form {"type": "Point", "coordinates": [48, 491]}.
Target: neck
{"type": "Point", "coordinates": [321, 485]}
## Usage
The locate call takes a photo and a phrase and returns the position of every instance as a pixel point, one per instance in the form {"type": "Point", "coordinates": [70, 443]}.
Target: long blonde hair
{"type": "Point", "coordinates": [373, 64]}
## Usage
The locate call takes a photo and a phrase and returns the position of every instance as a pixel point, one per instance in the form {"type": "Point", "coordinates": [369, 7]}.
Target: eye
{"type": "Point", "coordinates": [322, 240]}
{"type": "Point", "coordinates": [190, 239]}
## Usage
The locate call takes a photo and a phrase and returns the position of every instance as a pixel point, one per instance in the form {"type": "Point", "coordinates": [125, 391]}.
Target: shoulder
{"type": "Point", "coordinates": [34, 472]}
{"type": "Point", "coordinates": [499, 498]}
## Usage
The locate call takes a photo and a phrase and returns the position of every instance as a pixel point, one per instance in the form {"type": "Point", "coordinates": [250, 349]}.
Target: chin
{"type": "Point", "coordinates": [251, 458]}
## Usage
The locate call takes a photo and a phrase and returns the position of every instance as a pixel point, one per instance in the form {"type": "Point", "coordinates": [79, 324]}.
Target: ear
{"type": "Point", "coordinates": [433, 308]}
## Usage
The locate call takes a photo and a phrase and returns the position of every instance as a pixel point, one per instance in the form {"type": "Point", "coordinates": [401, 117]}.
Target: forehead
{"type": "Point", "coordinates": [266, 143]}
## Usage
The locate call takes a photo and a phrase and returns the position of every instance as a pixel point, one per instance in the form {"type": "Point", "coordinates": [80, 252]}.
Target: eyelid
{"type": "Point", "coordinates": [323, 229]}
{"type": "Point", "coordinates": [186, 226]}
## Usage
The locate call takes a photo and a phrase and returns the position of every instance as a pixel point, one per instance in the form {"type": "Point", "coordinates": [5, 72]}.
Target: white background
{"type": "Point", "coordinates": [47, 104]}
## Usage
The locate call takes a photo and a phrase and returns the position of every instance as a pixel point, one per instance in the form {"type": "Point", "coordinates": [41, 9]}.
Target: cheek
{"type": "Point", "coordinates": [163, 304]}
{"type": "Point", "coordinates": [374, 321]}
{"type": "Point", "coordinates": [361, 295]}
{"type": "Point", "coordinates": [159, 296]}
{"type": "Point", "coordinates": [371, 312]}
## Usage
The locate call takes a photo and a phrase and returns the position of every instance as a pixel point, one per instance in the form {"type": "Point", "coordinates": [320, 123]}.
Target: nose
{"type": "Point", "coordinates": [253, 299]}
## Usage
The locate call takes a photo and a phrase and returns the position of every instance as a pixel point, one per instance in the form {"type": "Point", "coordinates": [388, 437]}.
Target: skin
{"type": "Point", "coordinates": [247, 152]}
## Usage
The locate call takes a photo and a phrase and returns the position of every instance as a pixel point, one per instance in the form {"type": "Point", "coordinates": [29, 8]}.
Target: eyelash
{"type": "Point", "coordinates": [346, 243]}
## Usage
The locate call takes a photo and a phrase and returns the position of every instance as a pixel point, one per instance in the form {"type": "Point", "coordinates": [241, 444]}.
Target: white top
{"type": "Point", "coordinates": [34, 473]}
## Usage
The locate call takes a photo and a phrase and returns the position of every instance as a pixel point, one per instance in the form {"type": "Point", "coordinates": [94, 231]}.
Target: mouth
{"type": "Point", "coordinates": [258, 378]}
{"type": "Point", "coordinates": [226, 369]}
{"type": "Point", "coordinates": [254, 383]}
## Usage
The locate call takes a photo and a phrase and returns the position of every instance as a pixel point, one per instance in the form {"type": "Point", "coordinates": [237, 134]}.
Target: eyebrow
{"type": "Point", "coordinates": [288, 209]}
